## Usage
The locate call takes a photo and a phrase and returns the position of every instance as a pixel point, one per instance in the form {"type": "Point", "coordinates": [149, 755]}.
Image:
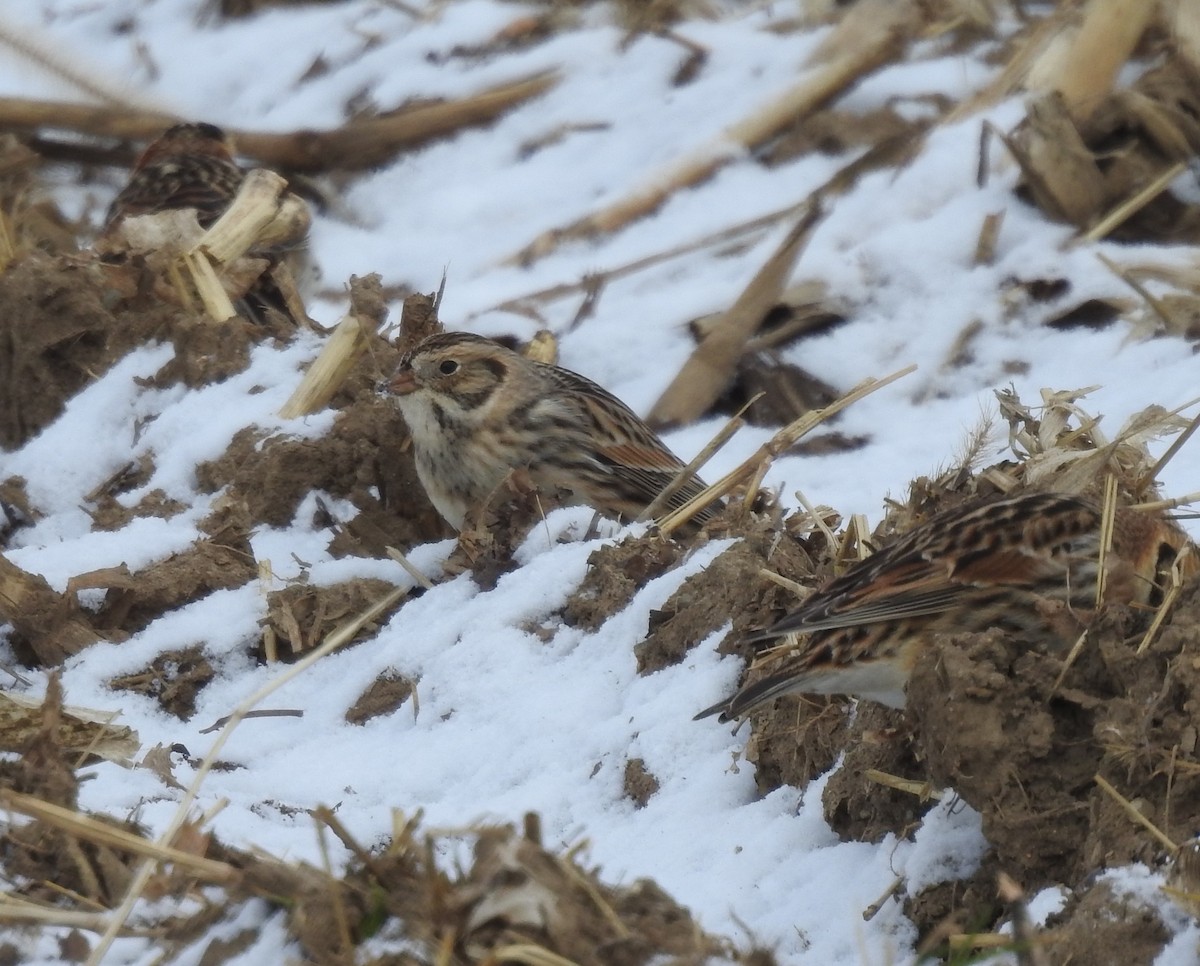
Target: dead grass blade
{"type": "Point", "coordinates": [870, 35]}
{"type": "Point", "coordinates": [1168, 601]}
{"type": "Point", "coordinates": [141, 878]}
{"type": "Point", "coordinates": [708, 371]}
{"type": "Point", "coordinates": [89, 829]}
{"type": "Point", "coordinates": [780, 442]}
{"type": "Point", "coordinates": [1134, 815]}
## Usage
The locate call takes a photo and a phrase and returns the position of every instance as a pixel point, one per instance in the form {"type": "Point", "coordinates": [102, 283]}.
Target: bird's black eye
{"type": "Point", "coordinates": [447, 367]}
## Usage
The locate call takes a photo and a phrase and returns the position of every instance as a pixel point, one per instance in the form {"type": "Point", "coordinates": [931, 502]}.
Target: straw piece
{"type": "Point", "coordinates": [329, 370]}
{"type": "Point", "coordinates": [208, 286]}
{"type": "Point", "coordinates": [723, 436]}
{"type": "Point", "coordinates": [781, 441]}
{"type": "Point", "coordinates": [1137, 817]}
{"type": "Point", "coordinates": [1186, 552]}
{"type": "Point", "coordinates": [922, 790]}
{"type": "Point", "coordinates": [1084, 67]}
{"type": "Point", "coordinates": [253, 208]}
{"type": "Point", "coordinates": [1132, 205]}
{"type": "Point", "coordinates": [103, 833]}
{"type": "Point", "coordinates": [708, 371]}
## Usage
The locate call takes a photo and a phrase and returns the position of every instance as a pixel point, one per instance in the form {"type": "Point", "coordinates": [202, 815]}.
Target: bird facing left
{"type": "Point", "coordinates": [479, 412]}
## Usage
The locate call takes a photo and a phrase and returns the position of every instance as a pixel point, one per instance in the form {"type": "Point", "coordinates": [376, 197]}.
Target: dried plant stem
{"type": "Point", "coordinates": [723, 436]}
{"type": "Point", "coordinates": [780, 442]}
{"type": "Point", "coordinates": [1135, 816]}
{"type": "Point", "coordinates": [1176, 445]}
{"type": "Point", "coordinates": [1076, 650]}
{"type": "Point", "coordinates": [1084, 70]}
{"type": "Point", "coordinates": [877, 30]}
{"type": "Point", "coordinates": [55, 60]}
{"type": "Point", "coordinates": [1169, 597]}
{"type": "Point", "coordinates": [922, 790]}
{"type": "Point", "coordinates": [360, 144]}
{"type": "Point", "coordinates": [1132, 205]}
{"type": "Point", "coordinates": [89, 829]}
{"type": "Point", "coordinates": [1108, 516]}
{"type": "Point", "coordinates": [873, 909]}
{"type": "Point", "coordinates": [329, 370]}
{"type": "Point", "coordinates": [786, 583]}
{"type": "Point", "coordinates": [816, 518]}
{"type": "Point", "coordinates": [1170, 504]}
{"type": "Point", "coordinates": [137, 885]}
{"type": "Point", "coordinates": [409, 568]}
{"type": "Point", "coordinates": [712, 364]}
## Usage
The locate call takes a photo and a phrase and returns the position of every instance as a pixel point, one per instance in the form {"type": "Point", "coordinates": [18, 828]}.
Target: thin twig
{"type": "Point", "coordinates": [1132, 205]}
{"type": "Point", "coordinates": [780, 442]}
{"type": "Point", "coordinates": [1152, 474]}
{"type": "Point", "coordinates": [137, 884]}
{"type": "Point", "coordinates": [723, 436]}
{"type": "Point", "coordinates": [1137, 817]}
{"type": "Point", "coordinates": [1168, 600]}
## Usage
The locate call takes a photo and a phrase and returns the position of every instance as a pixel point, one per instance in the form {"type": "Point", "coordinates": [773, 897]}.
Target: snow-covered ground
{"type": "Point", "coordinates": [510, 722]}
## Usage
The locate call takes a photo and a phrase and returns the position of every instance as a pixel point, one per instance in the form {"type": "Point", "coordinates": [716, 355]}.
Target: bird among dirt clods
{"type": "Point", "coordinates": [187, 166]}
{"type": "Point", "coordinates": [192, 165]}
{"type": "Point", "coordinates": [971, 568]}
{"type": "Point", "coordinates": [482, 416]}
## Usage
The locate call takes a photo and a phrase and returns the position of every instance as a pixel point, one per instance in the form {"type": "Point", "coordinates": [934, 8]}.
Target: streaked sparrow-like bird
{"type": "Point", "coordinates": [187, 166]}
{"type": "Point", "coordinates": [970, 568]}
{"type": "Point", "coordinates": [192, 166]}
{"type": "Point", "coordinates": [479, 412]}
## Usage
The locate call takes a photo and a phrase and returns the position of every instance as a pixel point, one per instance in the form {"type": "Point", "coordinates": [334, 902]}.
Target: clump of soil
{"type": "Point", "coordinates": [365, 458]}
{"type": "Point", "coordinates": [174, 678]}
{"type": "Point", "coordinates": [640, 783]}
{"type": "Point", "coordinates": [615, 573]}
{"type": "Point", "coordinates": [66, 319]}
{"type": "Point", "coordinates": [300, 616]}
{"type": "Point", "coordinates": [730, 588]}
{"type": "Point", "coordinates": [386, 694]}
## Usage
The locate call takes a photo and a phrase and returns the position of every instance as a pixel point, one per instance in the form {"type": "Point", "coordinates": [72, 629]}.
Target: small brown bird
{"type": "Point", "coordinates": [479, 412]}
{"type": "Point", "coordinates": [192, 166]}
{"type": "Point", "coordinates": [187, 166]}
{"type": "Point", "coordinates": [970, 568]}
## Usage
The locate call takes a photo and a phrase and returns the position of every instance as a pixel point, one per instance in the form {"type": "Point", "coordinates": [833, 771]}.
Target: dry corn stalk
{"type": "Point", "coordinates": [871, 34]}
{"type": "Point", "coordinates": [708, 371]}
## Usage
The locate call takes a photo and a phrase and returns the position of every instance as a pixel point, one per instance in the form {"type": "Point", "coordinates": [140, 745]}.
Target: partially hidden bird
{"type": "Point", "coordinates": [983, 565]}
{"type": "Point", "coordinates": [191, 165]}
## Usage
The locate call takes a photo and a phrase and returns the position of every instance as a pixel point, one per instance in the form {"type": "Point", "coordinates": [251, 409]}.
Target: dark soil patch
{"type": "Point", "coordinates": [640, 784]}
{"type": "Point", "coordinates": [174, 679]}
{"type": "Point", "coordinates": [615, 573]}
{"type": "Point", "coordinates": [385, 695]}
{"type": "Point", "coordinates": [365, 458]}
{"type": "Point", "coordinates": [301, 616]}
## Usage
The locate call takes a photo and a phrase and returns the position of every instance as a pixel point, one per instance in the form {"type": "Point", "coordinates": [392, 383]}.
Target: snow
{"type": "Point", "coordinates": [510, 722]}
